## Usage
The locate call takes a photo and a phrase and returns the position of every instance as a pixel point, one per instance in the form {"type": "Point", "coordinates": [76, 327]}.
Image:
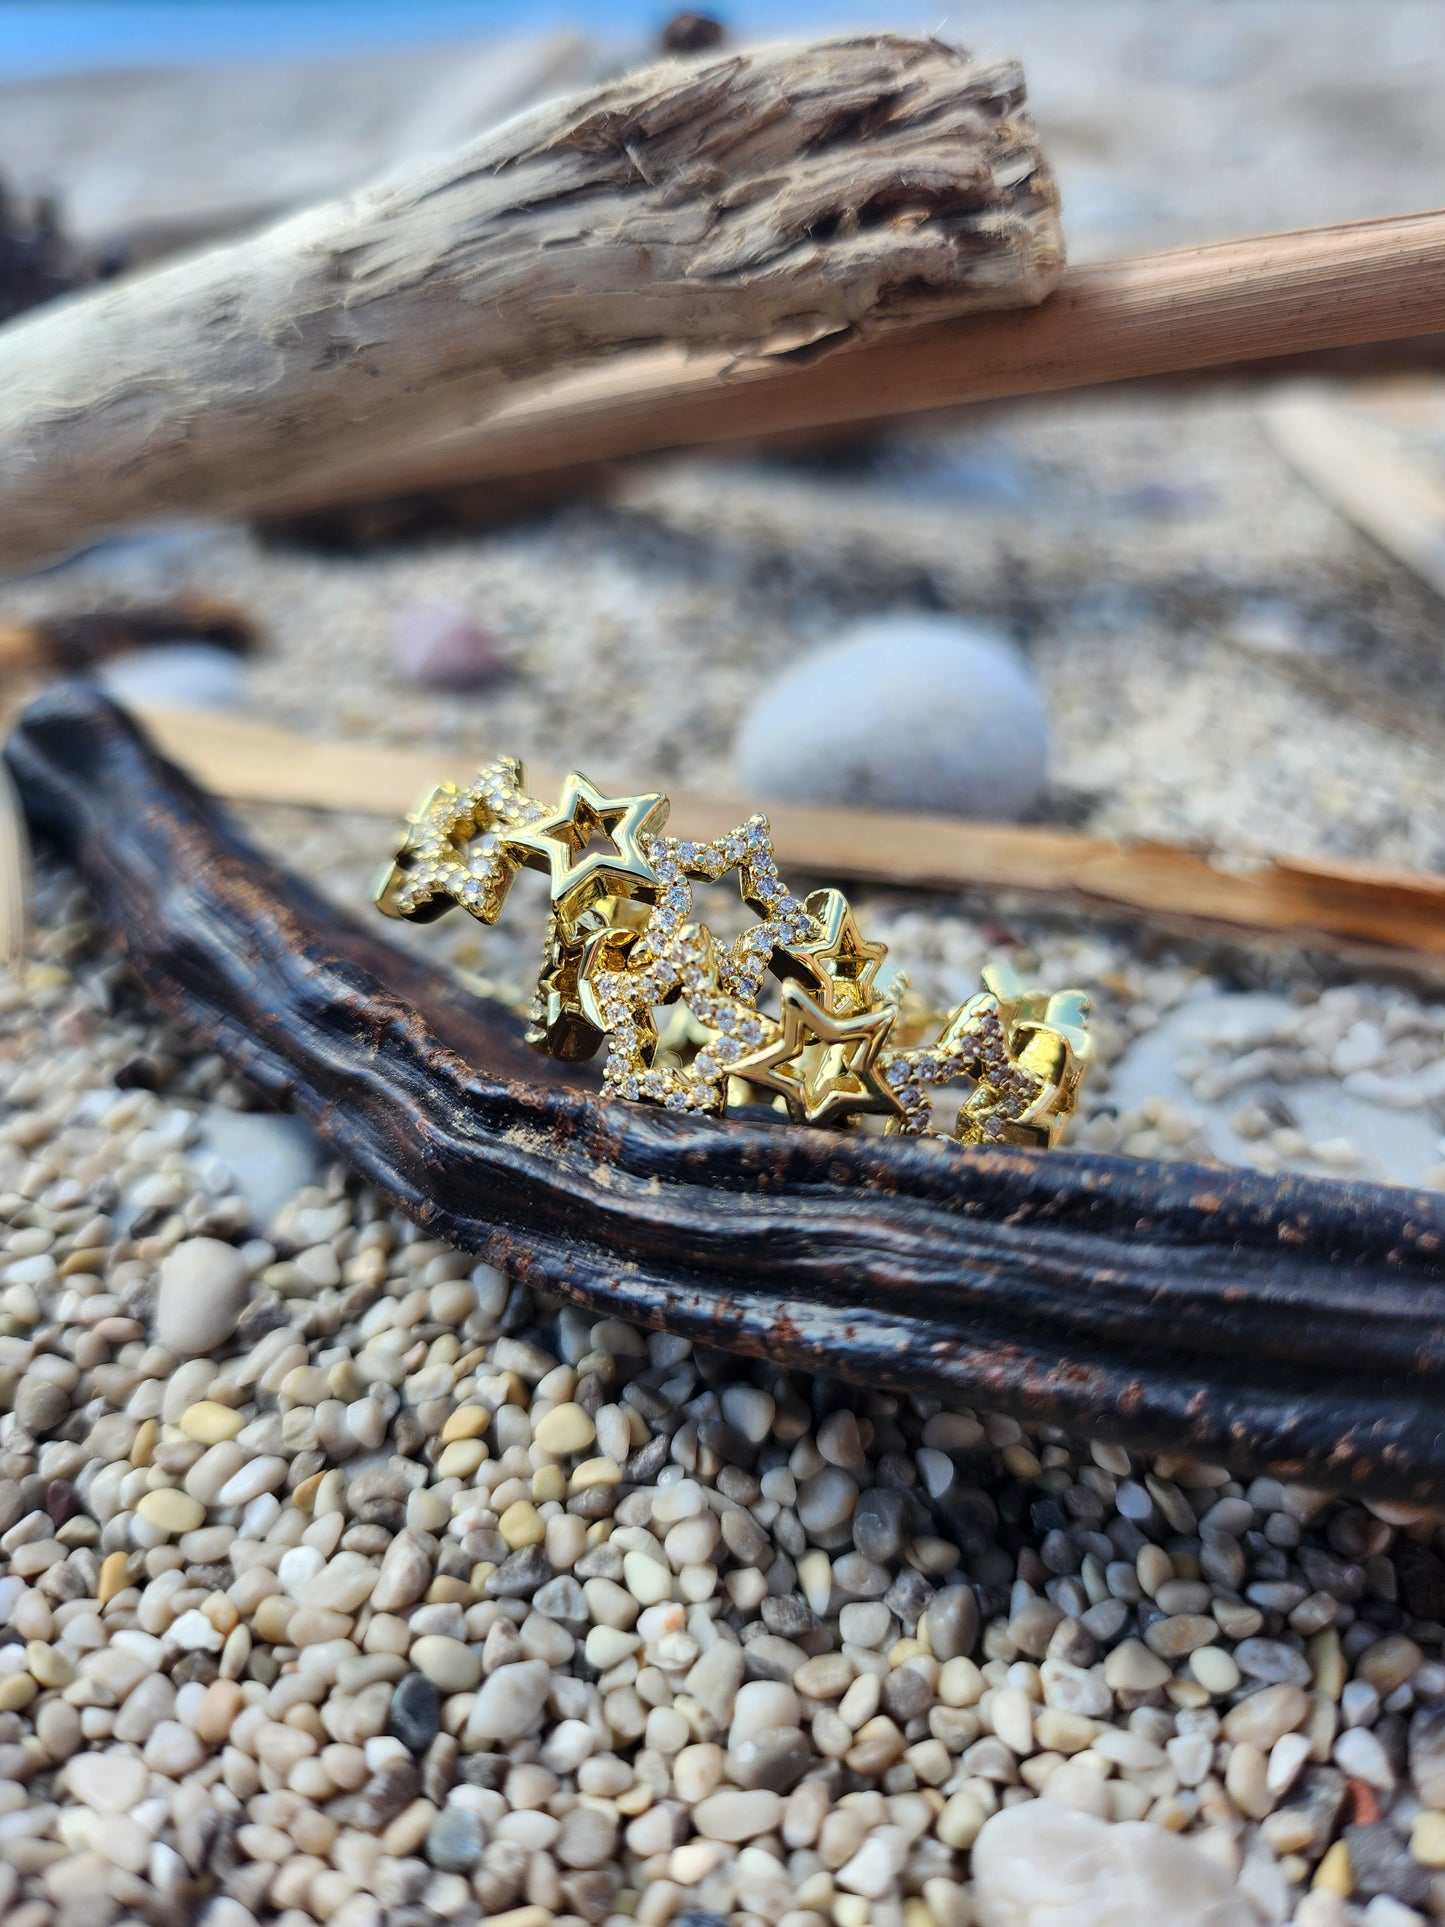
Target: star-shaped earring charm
{"type": "Point", "coordinates": [1029, 1088]}
{"type": "Point", "coordinates": [839, 962]}
{"type": "Point", "coordinates": [560, 1023]}
{"type": "Point", "coordinates": [826, 1067]}
{"type": "Point", "coordinates": [438, 830]}
{"type": "Point", "coordinates": [454, 852]}
{"type": "Point", "coordinates": [591, 845]}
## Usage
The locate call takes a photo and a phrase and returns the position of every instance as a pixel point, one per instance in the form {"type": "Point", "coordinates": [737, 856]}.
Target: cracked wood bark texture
{"type": "Point", "coordinates": [753, 203]}
{"type": "Point", "coordinates": [1293, 1325]}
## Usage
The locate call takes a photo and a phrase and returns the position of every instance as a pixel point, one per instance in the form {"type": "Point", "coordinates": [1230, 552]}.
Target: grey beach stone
{"type": "Point", "coordinates": [908, 711]}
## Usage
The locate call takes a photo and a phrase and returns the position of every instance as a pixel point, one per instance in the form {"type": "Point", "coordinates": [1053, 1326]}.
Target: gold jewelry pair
{"type": "Point", "coordinates": [628, 962]}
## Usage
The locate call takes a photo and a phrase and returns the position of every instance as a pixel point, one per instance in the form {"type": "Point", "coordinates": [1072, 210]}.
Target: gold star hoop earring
{"type": "Point", "coordinates": [624, 943]}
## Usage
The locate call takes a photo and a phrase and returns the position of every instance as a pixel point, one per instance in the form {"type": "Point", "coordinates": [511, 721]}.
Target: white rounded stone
{"type": "Point", "coordinates": [647, 1580]}
{"type": "Point", "coordinates": [875, 1868]}
{"type": "Point", "coordinates": [122, 1841]}
{"type": "Point", "coordinates": [608, 1646]}
{"type": "Point", "coordinates": [404, 1577]}
{"type": "Point", "coordinates": [267, 1157]}
{"type": "Point", "coordinates": [761, 1704]}
{"type": "Point", "coordinates": [1013, 1719]}
{"type": "Point", "coordinates": [298, 1566]}
{"type": "Point", "coordinates": [256, 1477]}
{"type": "Point", "coordinates": [509, 1704]}
{"type": "Point", "coordinates": [1028, 1857]}
{"type": "Point", "coordinates": [450, 1664]}
{"type": "Point", "coordinates": [185, 675]}
{"type": "Point", "coordinates": [110, 1782]}
{"type": "Point", "coordinates": [341, 1585]}
{"type": "Point", "coordinates": [173, 1750]}
{"type": "Point", "coordinates": [734, 1816]}
{"type": "Point", "coordinates": [908, 711]}
{"type": "Point", "coordinates": [673, 1503]}
{"type": "Point", "coordinates": [194, 1633]}
{"type": "Point", "coordinates": [750, 1409]}
{"type": "Point", "coordinates": [203, 1285]}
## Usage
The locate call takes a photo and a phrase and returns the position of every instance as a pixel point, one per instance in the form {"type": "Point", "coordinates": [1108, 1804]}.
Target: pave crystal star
{"type": "Point", "coordinates": [825, 1067]}
{"type": "Point", "coordinates": [591, 845]}
{"type": "Point", "coordinates": [839, 962]}
{"type": "Point", "coordinates": [452, 853]}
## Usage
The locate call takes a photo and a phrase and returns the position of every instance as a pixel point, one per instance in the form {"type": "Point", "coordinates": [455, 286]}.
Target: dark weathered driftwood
{"type": "Point", "coordinates": [1288, 1324]}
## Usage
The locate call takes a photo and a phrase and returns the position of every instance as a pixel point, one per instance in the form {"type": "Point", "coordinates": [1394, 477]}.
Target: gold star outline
{"type": "Point", "coordinates": [560, 1024]}
{"type": "Point", "coordinates": [433, 869]}
{"type": "Point", "coordinates": [840, 961]}
{"type": "Point", "coordinates": [563, 844]}
{"type": "Point", "coordinates": [1047, 1038]}
{"type": "Point", "coordinates": [1054, 1048]}
{"type": "Point", "coordinates": [606, 933]}
{"type": "Point", "coordinates": [1046, 1035]}
{"type": "Point", "coordinates": [442, 808]}
{"type": "Point", "coordinates": [825, 1066]}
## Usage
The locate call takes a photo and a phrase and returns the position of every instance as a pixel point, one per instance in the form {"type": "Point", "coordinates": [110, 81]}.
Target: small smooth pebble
{"type": "Point", "coordinates": [110, 1782]}
{"type": "Point", "coordinates": [203, 1288]}
{"type": "Point", "coordinates": [181, 675]}
{"type": "Point", "coordinates": [209, 1423]}
{"type": "Point", "coordinates": [454, 1840]}
{"type": "Point", "coordinates": [444, 649]}
{"type": "Point", "coordinates": [171, 1511]}
{"type": "Point", "coordinates": [509, 1704]}
{"type": "Point", "coordinates": [450, 1664]}
{"type": "Point", "coordinates": [1027, 1856]}
{"type": "Point", "coordinates": [905, 712]}
{"type": "Point", "coordinates": [737, 1816]}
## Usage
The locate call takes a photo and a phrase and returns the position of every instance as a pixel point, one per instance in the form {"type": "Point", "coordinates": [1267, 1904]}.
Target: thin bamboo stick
{"type": "Point", "coordinates": [1232, 301]}
{"type": "Point", "coordinates": [1330, 905]}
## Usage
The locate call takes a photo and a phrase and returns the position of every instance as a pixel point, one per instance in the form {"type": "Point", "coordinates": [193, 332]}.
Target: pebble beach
{"type": "Point", "coordinates": [344, 1579]}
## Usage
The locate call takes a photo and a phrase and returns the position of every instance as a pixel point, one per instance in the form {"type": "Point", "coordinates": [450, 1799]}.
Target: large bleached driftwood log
{"type": "Point", "coordinates": [756, 202]}
{"type": "Point", "coordinates": [1286, 1324]}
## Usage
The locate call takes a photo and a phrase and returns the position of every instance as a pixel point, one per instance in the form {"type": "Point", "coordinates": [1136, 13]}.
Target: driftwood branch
{"type": "Point", "coordinates": [1331, 906]}
{"type": "Point", "coordinates": [1271, 295]}
{"type": "Point", "coordinates": [755, 202]}
{"type": "Point", "coordinates": [1292, 1324]}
